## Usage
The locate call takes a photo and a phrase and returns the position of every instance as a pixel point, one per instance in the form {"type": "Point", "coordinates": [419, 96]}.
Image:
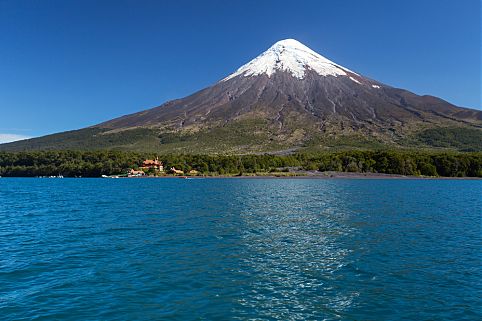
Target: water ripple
{"type": "Point", "coordinates": [88, 249]}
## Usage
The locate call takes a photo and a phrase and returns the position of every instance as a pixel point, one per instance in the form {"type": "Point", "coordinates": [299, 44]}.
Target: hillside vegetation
{"type": "Point", "coordinates": [248, 136]}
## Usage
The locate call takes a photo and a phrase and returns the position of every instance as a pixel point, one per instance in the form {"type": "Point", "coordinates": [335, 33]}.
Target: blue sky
{"type": "Point", "coordinates": [71, 64]}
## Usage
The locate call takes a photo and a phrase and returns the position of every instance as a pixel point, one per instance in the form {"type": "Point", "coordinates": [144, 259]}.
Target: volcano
{"type": "Point", "coordinates": [288, 98]}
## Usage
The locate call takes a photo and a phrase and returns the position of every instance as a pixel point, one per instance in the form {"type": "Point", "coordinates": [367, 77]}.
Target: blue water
{"type": "Point", "coordinates": [240, 249]}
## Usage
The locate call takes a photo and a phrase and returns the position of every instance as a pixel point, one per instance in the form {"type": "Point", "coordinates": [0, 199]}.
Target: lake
{"type": "Point", "coordinates": [240, 249]}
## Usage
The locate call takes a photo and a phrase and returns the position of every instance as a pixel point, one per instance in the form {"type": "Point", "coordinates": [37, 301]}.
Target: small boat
{"type": "Point", "coordinates": [111, 176]}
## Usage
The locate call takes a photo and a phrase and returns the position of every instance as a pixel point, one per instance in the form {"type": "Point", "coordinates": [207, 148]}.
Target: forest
{"type": "Point", "coordinates": [97, 163]}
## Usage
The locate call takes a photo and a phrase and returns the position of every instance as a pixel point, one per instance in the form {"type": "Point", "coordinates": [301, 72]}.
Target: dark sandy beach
{"type": "Point", "coordinates": [317, 175]}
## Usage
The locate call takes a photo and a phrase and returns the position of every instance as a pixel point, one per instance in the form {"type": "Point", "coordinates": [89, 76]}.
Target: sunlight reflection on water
{"type": "Point", "coordinates": [293, 250]}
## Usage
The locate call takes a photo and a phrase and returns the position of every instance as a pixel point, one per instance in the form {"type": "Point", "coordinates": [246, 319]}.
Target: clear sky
{"type": "Point", "coordinates": [68, 64]}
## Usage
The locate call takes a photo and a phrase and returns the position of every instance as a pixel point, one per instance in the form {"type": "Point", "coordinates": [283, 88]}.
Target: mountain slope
{"type": "Point", "coordinates": [288, 98]}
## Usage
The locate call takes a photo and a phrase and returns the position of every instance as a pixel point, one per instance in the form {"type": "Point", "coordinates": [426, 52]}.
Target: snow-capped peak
{"type": "Point", "coordinates": [292, 56]}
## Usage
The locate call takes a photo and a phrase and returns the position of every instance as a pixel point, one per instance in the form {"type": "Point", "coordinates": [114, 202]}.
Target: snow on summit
{"type": "Point", "coordinates": [292, 56]}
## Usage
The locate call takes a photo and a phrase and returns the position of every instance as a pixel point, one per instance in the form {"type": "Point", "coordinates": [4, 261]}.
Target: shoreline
{"type": "Point", "coordinates": [292, 175]}
{"type": "Point", "coordinates": [315, 175]}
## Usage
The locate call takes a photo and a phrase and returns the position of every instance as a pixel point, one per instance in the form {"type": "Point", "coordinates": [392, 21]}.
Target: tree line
{"type": "Point", "coordinates": [97, 163]}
